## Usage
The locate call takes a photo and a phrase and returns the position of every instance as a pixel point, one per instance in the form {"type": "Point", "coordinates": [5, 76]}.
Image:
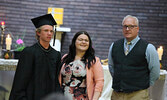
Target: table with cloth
{"type": "Point", "coordinates": [7, 71]}
{"type": "Point", "coordinates": [8, 67]}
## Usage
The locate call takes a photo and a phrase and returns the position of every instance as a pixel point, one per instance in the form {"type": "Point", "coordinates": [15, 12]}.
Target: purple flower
{"type": "Point", "coordinates": [19, 41]}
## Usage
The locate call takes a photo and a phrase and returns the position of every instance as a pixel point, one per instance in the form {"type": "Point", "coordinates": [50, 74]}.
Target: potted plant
{"type": "Point", "coordinates": [19, 47]}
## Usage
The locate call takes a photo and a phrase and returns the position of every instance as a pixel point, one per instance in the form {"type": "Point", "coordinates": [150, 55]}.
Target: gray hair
{"type": "Point", "coordinates": [136, 19]}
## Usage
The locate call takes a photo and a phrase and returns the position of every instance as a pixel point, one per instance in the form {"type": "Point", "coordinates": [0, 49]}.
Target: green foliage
{"type": "Point", "coordinates": [19, 41]}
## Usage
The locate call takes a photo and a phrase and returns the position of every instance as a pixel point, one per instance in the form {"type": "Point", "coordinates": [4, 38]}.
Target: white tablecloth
{"type": "Point", "coordinates": [159, 90]}
{"type": "Point", "coordinates": [8, 64]}
{"type": "Point", "coordinates": [8, 61]}
{"type": "Point", "coordinates": [107, 89]}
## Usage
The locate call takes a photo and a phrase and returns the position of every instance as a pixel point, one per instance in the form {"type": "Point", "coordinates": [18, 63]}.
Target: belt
{"type": "Point", "coordinates": [123, 91]}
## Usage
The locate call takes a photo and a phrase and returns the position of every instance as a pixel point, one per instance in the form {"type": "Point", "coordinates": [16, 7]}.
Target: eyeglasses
{"type": "Point", "coordinates": [129, 26]}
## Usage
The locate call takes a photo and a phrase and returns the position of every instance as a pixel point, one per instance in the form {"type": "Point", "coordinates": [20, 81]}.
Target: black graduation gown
{"type": "Point", "coordinates": [36, 74]}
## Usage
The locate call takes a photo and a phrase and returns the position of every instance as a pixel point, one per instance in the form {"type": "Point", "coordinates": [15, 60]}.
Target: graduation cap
{"type": "Point", "coordinates": [45, 20]}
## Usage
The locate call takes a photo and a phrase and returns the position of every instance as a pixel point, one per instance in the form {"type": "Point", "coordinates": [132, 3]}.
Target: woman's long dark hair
{"type": "Point", "coordinates": [88, 58]}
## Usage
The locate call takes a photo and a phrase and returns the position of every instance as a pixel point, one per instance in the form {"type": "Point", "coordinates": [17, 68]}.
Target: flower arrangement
{"type": "Point", "coordinates": [19, 43]}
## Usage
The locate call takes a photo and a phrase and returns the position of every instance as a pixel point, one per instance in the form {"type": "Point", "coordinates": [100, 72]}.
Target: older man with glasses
{"type": "Point", "coordinates": [133, 63]}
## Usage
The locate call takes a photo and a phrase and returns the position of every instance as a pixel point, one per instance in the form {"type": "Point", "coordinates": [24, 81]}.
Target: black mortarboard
{"type": "Point", "coordinates": [44, 20]}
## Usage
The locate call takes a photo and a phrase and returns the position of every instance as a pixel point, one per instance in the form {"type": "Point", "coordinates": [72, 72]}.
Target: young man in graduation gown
{"type": "Point", "coordinates": [37, 70]}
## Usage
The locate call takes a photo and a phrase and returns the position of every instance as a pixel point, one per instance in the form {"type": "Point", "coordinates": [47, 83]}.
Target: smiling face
{"type": "Point", "coordinates": [130, 28]}
{"type": "Point", "coordinates": [82, 43]}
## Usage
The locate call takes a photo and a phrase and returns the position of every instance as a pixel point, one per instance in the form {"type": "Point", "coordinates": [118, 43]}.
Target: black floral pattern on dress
{"type": "Point", "coordinates": [74, 80]}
